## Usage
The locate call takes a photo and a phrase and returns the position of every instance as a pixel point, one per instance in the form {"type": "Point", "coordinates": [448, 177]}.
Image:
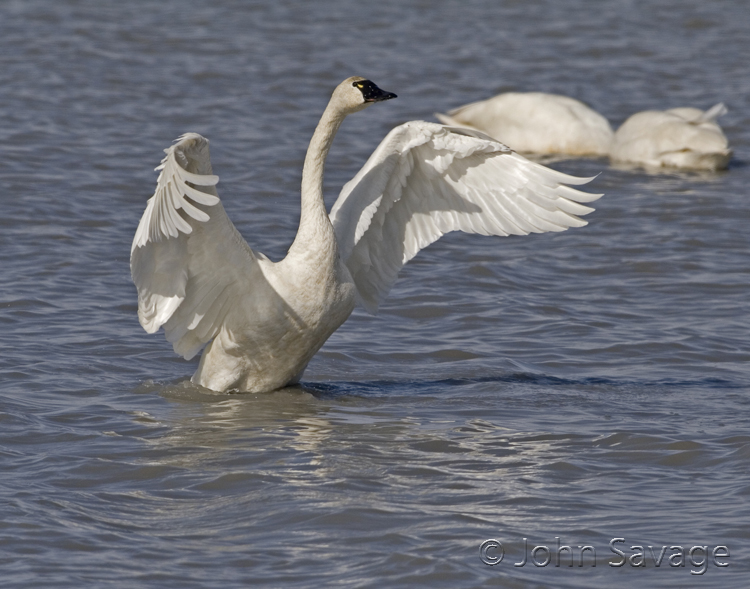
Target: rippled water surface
{"type": "Point", "coordinates": [581, 386]}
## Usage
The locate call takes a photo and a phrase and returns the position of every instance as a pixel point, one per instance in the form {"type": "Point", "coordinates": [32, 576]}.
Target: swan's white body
{"type": "Point", "coordinates": [685, 138]}
{"type": "Point", "coordinates": [537, 123]}
{"type": "Point", "coordinates": [263, 321]}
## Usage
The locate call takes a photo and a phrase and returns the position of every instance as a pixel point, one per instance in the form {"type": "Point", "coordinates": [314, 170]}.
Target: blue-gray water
{"type": "Point", "coordinates": [585, 386]}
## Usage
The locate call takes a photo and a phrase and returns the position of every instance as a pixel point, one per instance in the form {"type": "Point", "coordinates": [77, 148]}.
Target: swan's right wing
{"type": "Point", "coordinates": [193, 270]}
{"type": "Point", "coordinates": [425, 180]}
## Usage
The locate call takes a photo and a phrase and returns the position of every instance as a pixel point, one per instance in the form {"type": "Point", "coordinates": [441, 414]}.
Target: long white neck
{"type": "Point", "coordinates": [315, 229]}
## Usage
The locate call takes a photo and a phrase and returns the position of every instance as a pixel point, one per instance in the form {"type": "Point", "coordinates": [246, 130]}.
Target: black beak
{"type": "Point", "coordinates": [372, 93]}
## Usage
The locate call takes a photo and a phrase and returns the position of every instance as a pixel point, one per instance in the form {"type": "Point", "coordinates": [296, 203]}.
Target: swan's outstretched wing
{"type": "Point", "coordinates": [189, 263]}
{"type": "Point", "coordinates": [425, 180]}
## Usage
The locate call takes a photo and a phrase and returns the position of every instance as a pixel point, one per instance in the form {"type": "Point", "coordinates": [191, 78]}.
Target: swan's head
{"type": "Point", "coordinates": [356, 93]}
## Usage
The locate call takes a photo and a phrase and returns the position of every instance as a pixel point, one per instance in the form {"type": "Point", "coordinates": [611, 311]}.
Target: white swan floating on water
{"type": "Point", "coordinates": [263, 321]}
{"type": "Point", "coordinates": [686, 138]}
{"type": "Point", "coordinates": [537, 123]}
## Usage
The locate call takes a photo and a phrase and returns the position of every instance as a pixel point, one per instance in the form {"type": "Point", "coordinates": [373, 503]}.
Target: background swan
{"type": "Point", "coordinates": [686, 138]}
{"type": "Point", "coordinates": [537, 123]}
{"type": "Point", "coordinates": [263, 321]}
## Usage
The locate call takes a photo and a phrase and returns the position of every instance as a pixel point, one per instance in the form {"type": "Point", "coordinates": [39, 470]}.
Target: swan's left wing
{"type": "Point", "coordinates": [425, 180]}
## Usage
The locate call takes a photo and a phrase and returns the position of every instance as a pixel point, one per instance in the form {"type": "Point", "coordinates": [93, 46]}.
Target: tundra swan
{"type": "Point", "coordinates": [685, 138]}
{"type": "Point", "coordinates": [537, 123]}
{"type": "Point", "coordinates": [262, 322]}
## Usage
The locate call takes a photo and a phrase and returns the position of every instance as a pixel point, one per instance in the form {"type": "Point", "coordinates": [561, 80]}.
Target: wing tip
{"type": "Point", "coordinates": [176, 187]}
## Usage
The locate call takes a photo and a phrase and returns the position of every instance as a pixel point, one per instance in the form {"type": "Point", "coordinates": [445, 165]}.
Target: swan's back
{"type": "Point", "coordinates": [537, 123]}
{"type": "Point", "coordinates": [686, 138]}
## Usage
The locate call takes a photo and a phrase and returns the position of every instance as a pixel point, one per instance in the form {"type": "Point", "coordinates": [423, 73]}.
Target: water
{"type": "Point", "coordinates": [585, 386]}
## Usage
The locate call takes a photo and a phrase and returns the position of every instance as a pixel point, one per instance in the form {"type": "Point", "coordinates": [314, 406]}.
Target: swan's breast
{"type": "Point", "coordinates": [318, 290]}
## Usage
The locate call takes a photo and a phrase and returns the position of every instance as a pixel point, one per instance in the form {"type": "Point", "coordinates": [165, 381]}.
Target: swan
{"type": "Point", "coordinates": [261, 322]}
{"type": "Point", "coordinates": [686, 138]}
{"type": "Point", "coordinates": [537, 123]}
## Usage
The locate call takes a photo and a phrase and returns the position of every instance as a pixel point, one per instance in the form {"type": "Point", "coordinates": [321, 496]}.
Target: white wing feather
{"type": "Point", "coordinates": [425, 180]}
{"type": "Point", "coordinates": [189, 263]}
